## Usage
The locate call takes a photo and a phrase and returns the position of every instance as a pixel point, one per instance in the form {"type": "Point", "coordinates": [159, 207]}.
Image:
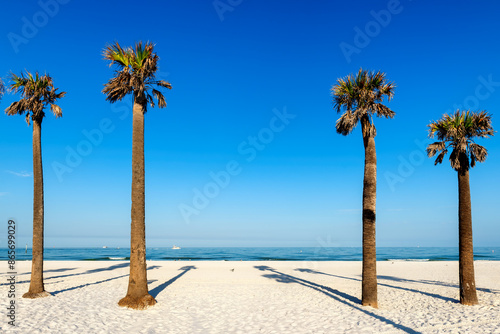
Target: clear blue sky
{"type": "Point", "coordinates": [234, 66]}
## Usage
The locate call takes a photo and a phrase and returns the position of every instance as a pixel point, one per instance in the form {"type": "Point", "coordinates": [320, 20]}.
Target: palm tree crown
{"type": "Point", "coordinates": [361, 97]}
{"type": "Point", "coordinates": [136, 74]}
{"type": "Point", "coordinates": [457, 132]}
{"type": "Point", "coordinates": [37, 92]}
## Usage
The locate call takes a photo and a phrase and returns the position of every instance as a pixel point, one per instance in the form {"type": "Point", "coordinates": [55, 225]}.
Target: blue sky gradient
{"type": "Point", "coordinates": [237, 69]}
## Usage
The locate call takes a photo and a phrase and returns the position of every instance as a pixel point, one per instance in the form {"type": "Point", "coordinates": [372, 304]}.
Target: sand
{"type": "Point", "coordinates": [255, 297]}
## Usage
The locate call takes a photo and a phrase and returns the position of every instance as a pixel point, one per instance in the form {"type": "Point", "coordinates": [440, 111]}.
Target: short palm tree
{"type": "Point", "coordinates": [361, 96]}
{"type": "Point", "coordinates": [135, 74]}
{"type": "Point", "coordinates": [456, 133]}
{"type": "Point", "coordinates": [37, 92]}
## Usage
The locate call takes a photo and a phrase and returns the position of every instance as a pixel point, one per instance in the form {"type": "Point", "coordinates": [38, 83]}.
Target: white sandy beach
{"type": "Point", "coordinates": [255, 297]}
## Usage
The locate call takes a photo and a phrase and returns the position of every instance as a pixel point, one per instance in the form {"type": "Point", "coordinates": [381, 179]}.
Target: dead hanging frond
{"type": "Point", "coordinates": [477, 153]}
{"type": "Point", "coordinates": [161, 99]}
{"type": "Point", "coordinates": [56, 110]}
{"type": "Point", "coordinates": [433, 148]}
{"type": "Point", "coordinates": [346, 123]}
{"type": "Point", "coordinates": [440, 157]}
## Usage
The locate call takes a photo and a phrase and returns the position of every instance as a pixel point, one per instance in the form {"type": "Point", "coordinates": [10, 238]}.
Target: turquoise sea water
{"type": "Point", "coordinates": [259, 254]}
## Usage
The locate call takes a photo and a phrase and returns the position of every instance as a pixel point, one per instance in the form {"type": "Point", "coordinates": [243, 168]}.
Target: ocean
{"type": "Point", "coordinates": [258, 254]}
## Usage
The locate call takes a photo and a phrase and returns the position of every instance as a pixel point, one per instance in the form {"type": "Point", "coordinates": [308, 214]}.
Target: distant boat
{"type": "Point", "coordinates": [176, 247]}
{"type": "Point", "coordinates": [104, 246]}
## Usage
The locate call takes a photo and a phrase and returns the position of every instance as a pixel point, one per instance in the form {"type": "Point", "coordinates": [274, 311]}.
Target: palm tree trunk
{"type": "Point", "coordinates": [138, 296]}
{"type": "Point", "coordinates": [468, 294]}
{"type": "Point", "coordinates": [369, 279]}
{"type": "Point", "coordinates": [36, 288]}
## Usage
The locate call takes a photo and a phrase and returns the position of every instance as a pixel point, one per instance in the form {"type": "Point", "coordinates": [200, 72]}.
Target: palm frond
{"type": "Point", "coordinates": [119, 86]}
{"type": "Point", "coordinates": [383, 111]}
{"type": "Point", "coordinates": [161, 99]}
{"type": "Point", "coordinates": [477, 153]}
{"type": "Point", "coordinates": [346, 123]}
{"type": "Point", "coordinates": [16, 108]}
{"type": "Point", "coordinates": [141, 55]}
{"type": "Point", "coordinates": [440, 157]}
{"type": "Point", "coordinates": [433, 148]}
{"type": "Point", "coordinates": [56, 110]}
{"type": "Point", "coordinates": [116, 54]}
{"type": "Point", "coordinates": [164, 84]}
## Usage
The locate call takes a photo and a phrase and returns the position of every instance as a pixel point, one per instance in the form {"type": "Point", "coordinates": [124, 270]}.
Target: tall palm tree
{"type": "Point", "coordinates": [135, 75]}
{"type": "Point", "coordinates": [361, 96]}
{"type": "Point", "coordinates": [457, 132]}
{"type": "Point", "coordinates": [37, 92]}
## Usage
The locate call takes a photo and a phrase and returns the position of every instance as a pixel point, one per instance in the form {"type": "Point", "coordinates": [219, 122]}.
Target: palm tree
{"type": "Point", "coordinates": [136, 75]}
{"type": "Point", "coordinates": [37, 93]}
{"type": "Point", "coordinates": [457, 132]}
{"type": "Point", "coordinates": [361, 97]}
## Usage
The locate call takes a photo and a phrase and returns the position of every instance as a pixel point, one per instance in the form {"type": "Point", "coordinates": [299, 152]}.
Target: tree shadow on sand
{"type": "Point", "coordinates": [116, 266]}
{"type": "Point", "coordinates": [50, 271]}
{"type": "Point", "coordinates": [156, 291]}
{"type": "Point", "coordinates": [430, 282]}
{"type": "Point", "coordinates": [341, 297]}
{"type": "Point", "coordinates": [430, 294]}
{"type": "Point", "coordinates": [113, 267]}
{"type": "Point", "coordinates": [91, 271]}
{"type": "Point", "coordinates": [88, 284]}
{"type": "Point", "coordinates": [405, 280]}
